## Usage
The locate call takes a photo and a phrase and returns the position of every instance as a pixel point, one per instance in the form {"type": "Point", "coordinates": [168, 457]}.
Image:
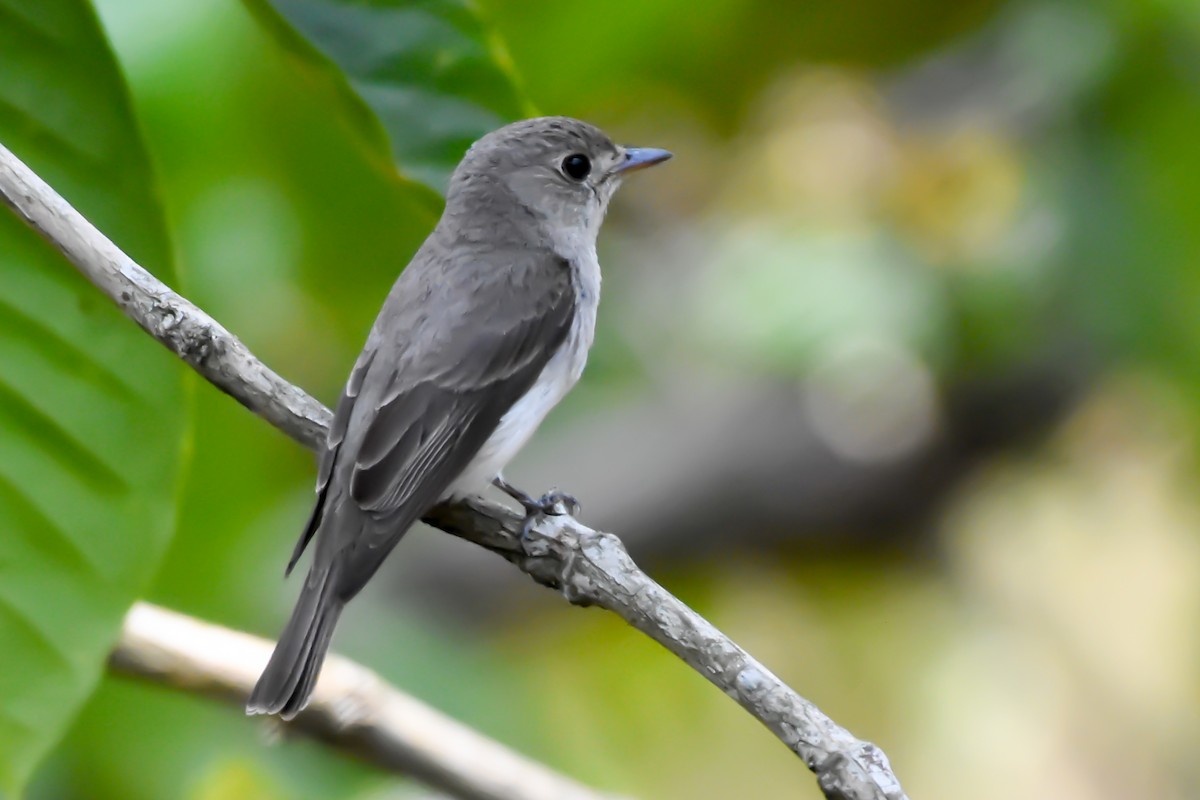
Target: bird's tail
{"type": "Point", "coordinates": [288, 680]}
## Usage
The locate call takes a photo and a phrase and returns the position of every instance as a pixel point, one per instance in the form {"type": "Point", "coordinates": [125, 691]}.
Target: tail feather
{"type": "Point", "coordinates": [288, 680]}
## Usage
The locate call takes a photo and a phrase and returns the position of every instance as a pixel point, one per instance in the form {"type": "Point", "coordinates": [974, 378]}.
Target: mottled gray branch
{"type": "Point", "coordinates": [588, 567]}
{"type": "Point", "coordinates": [352, 710]}
{"type": "Point", "coordinates": [173, 320]}
{"type": "Point", "coordinates": [593, 568]}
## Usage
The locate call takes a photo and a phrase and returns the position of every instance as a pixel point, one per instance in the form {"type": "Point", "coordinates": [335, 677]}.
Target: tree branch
{"type": "Point", "coordinates": [589, 567]}
{"type": "Point", "coordinates": [352, 709]}
{"type": "Point", "coordinates": [593, 568]}
{"type": "Point", "coordinates": [173, 320]}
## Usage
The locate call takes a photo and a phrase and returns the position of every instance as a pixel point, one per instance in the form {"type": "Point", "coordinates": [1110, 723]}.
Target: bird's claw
{"type": "Point", "coordinates": [552, 501]}
{"type": "Point", "coordinates": [552, 504]}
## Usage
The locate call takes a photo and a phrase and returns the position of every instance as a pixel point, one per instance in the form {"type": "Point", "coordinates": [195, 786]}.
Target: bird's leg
{"type": "Point", "coordinates": [546, 505]}
{"type": "Point", "coordinates": [525, 500]}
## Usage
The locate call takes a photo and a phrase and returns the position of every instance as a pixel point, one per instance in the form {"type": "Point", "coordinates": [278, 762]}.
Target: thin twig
{"type": "Point", "coordinates": [593, 568]}
{"type": "Point", "coordinates": [589, 567]}
{"type": "Point", "coordinates": [173, 320]}
{"type": "Point", "coordinates": [352, 709]}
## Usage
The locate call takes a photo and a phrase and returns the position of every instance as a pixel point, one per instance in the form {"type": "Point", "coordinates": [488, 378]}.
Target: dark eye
{"type": "Point", "coordinates": [576, 166]}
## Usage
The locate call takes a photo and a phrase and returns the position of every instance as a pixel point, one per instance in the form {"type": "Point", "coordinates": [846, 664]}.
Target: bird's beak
{"type": "Point", "coordinates": [641, 157]}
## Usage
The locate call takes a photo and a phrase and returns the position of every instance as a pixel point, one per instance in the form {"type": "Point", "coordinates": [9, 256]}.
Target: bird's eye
{"type": "Point", "coordinates": [576, 166]}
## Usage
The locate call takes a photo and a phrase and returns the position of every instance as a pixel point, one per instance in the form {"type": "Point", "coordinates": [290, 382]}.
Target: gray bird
{"type": "Point", "coordinates": [483, 333]}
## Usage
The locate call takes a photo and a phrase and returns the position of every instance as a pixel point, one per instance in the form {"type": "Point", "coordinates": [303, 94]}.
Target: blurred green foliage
{"type": "Point", "coordinates": [715, 57]}
{"type": "Point", "coordinates": [883, 199]}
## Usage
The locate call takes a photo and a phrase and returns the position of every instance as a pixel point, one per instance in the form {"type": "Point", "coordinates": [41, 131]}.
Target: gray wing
{"type": "Point", "coordinates": [328, 456]}
{"type": "Point", "coordinates": [425, 404]}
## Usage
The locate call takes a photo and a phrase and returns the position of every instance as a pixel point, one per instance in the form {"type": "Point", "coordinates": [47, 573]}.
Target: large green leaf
{"type": "Point", "coordinates": [92, 413]}
{"type": "Point", "coordinates": [429, 70]}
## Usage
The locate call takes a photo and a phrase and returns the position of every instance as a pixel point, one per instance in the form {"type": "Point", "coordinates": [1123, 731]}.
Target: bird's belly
{"type": "Point", "coordinates": [517, 426]}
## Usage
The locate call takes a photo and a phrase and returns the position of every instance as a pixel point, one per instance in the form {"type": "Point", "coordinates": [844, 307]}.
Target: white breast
{"type": "Point", "coordinates": [561, 373]}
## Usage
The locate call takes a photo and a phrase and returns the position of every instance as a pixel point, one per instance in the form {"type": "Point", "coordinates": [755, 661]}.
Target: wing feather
{"type": "Point", "coordinates": [328, 456]}
{"type": "Point", "coordinates": [438, 403]}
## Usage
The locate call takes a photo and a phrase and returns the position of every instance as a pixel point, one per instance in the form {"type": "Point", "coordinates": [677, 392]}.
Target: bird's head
{"type": "Point", "coordinates": [556, 171]}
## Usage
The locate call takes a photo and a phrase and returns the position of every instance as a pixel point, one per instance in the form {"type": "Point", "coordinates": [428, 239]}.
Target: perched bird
{"type": "Point", "coordinates": [485, 330]}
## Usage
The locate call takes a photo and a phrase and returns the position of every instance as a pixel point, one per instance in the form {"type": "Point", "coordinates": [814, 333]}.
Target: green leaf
{"type": "Point", "coordinates": [92, 413]}
{"type": "Point", "coordinates": [421, 80]}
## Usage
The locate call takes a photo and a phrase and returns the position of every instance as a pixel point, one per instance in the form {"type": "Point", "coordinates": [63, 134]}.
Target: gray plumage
{"type": "Point", "coordinates": [485, 330]}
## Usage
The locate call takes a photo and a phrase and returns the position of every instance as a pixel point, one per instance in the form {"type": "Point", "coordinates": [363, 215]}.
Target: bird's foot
{"type": "Point", "coordinates": [552, 504]}
{"type": "Point", "coordinates": [555, 503]}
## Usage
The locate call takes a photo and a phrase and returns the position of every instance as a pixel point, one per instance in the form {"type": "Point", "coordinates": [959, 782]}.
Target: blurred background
{"type": "Point", "coordinates": [897, 381]}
